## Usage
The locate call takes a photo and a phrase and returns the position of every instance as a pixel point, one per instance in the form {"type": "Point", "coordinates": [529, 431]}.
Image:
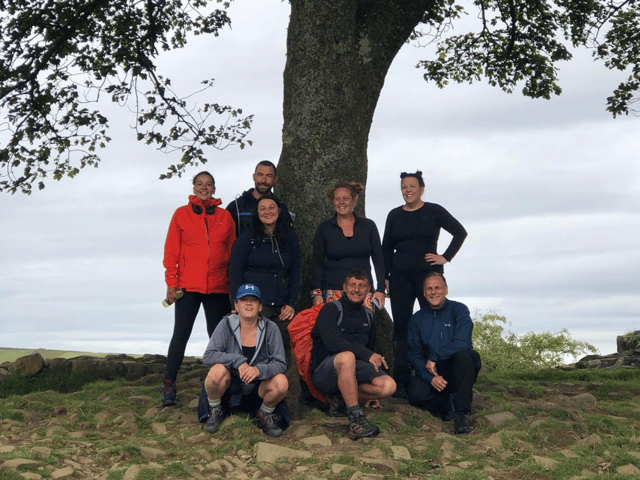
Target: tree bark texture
{"type": "Point", "coordinates": [338, 54]}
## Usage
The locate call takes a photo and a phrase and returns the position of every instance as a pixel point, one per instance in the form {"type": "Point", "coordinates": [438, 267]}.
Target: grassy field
{"type": "Point", "coordinates": [12, 354]}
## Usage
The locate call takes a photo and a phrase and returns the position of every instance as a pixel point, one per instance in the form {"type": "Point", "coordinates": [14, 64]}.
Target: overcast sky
{"type": "Point", "coordinates": [548, 191]}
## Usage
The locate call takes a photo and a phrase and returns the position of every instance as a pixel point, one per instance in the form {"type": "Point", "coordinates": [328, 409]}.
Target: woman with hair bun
{"type": "Point", "coordinates": [342, 243]}
{"type": "Point", "coordinates": [410, 252]}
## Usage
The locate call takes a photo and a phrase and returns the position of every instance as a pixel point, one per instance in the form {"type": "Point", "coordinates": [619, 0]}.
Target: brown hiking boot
{"type": "Point", "coordinates": [267, 423]}
{"type": "Point", "coordinates": [169, 393]}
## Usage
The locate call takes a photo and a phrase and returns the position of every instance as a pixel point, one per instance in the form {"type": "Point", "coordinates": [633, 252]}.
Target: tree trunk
{"type": "Point", "coordinates": [328, 110]}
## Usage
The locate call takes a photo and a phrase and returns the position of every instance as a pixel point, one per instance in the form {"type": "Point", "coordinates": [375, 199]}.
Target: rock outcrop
{"type": "Point", "coordinates": [628, 354]}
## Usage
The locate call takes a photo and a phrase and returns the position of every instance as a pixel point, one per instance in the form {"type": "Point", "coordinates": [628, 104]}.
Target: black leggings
{"type": "Point", "coordinates": [404, 288]}
{"type": "Point", "coordinates": [216, 306]}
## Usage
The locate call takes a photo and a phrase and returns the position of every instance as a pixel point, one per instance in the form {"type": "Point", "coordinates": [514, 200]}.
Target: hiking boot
{"type": "Point", "coordinates": [337, 407]}
{"type": "Point", "coordinates": [359, 427]}
{"type": "Point", "coordinates": [169, 392]}
{"type": "Point", "coordinates": [401, 391]}
{"type": "Point", "coordinates": [448, 415]}
{"type": "Point", "coordinates": [461, 423]}
{"type": "Point", "coordinates": [215, 419]}
{"type": "Point", "coordinates": [267, 423]}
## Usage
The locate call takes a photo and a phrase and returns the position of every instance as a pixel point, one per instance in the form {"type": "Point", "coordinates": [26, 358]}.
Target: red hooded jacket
{"type": "Point", "coordinates": [198, 248]}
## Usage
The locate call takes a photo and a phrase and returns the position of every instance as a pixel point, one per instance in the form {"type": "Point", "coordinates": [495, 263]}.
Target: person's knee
{"type": "Point", "coordinates": [463, 358]}
{"type": "Point", "coordinates": [218, 375]}
{"type": "Point", "coordinates": [415, 397]}
{"type": "Point", "coordinates": [420, 393]}
{"type": "Point", "coordinates": [388, 386]}
{"type": "Point", "coordinates": [280, 384]}
{"type": "Point", "coordinates": [344, 362]}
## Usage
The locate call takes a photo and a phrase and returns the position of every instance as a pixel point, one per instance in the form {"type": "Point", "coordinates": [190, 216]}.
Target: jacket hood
{"type": "Point", "coordinates": [212, 201]}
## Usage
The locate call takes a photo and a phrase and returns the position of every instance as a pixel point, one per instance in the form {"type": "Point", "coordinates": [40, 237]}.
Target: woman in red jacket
{"type": "Point", "coordinates": [196, 259]}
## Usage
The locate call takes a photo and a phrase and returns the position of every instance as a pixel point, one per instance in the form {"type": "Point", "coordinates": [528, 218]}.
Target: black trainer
{"type": "Point", "coordinates": [461, 423]}
{"type": "Point", "coordinates": [359, 427]}
{"type": "Point", "coordinates": [215, 419]}
{"type": "Point", "coordinates": [169, 393]}
{"type": "Point", "coordinates": [448, 415]}
{"type": "Point", "coordinates": [401, 391]}
{"type": "Point", "coordinates": [337, 407]}
{"type": "Point", "coordinates": [267, 423]}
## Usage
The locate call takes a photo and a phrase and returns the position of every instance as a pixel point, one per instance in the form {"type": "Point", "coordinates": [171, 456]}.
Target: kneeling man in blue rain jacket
{"type": "Point", "coordinates": [441, 354]}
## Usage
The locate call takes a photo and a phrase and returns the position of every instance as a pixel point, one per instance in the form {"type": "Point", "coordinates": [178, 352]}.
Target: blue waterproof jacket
{"type": "Point", "coordinates": [437, 334]}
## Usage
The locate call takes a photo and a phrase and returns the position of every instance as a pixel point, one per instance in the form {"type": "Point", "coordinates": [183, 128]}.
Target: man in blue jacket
{"type": "Point", "coordinates": [439, 349]}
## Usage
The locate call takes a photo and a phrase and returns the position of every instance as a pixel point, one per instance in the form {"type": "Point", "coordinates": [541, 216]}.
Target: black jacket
{"type": "Point", "coordinates": [270, 262]}
{"type": "Point", "coordinates": [356, 332]}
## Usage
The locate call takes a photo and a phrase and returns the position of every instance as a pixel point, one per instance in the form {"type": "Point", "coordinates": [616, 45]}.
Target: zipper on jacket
{"type": "Point", "coordinates": [206, 227]}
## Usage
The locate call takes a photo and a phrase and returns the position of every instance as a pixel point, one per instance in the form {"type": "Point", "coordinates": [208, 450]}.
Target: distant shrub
{"type": "Point", "coordinates": [502, 349]}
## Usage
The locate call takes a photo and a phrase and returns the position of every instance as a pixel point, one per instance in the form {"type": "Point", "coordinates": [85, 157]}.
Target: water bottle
{"type": "Point", "coordinates": [166, 303]}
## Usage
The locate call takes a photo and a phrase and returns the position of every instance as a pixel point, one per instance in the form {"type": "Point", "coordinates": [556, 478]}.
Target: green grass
{"type": "Point", "coordinates": [563, 424]}
{"type": "Point", "coordinates": [12, 354]}
{"type": "Point", "coordinates": [611, 378]}
{"type": "Point", "coordinates": [63, 382]}
{"type": "Point", "coordinates": [10, 475]}
{"type": "Point", "coordinates": [345, 460]}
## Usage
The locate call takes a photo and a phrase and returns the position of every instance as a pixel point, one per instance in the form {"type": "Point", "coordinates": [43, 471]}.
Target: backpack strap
{"type": "Point", "coordinates": [339, 307]}
{"type": "Point", "coordinates": [368, 312]}
{"type": "Point", "coordinates": [238, 213]}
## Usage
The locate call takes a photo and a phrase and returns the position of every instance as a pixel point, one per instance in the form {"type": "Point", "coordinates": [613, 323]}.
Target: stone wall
{"type": "Point", "coordinates": [153, 366]}
{"type": "Point", "coordinates": [110, 367]}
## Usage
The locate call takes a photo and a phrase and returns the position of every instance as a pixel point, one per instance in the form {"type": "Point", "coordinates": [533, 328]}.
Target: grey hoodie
{"type": "Point", "coordinates": [225, 347]}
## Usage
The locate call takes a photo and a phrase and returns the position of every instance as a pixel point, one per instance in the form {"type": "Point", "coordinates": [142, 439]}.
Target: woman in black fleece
{"type": "Point", "coordinates": [343, 243]}
{"type": "Point", "coordinates": [268, 255]}
{"type": "Point", "coordinates": [410, 252]}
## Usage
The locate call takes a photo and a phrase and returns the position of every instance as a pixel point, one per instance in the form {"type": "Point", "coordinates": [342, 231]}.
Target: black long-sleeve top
{"type": "Point", "coordinates": [334, 255]}
{"type": "Point", "coordinates": [408, 236]}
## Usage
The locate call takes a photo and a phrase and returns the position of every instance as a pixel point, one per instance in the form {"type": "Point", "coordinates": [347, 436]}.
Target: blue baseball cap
{"type": "Point", "coordinates": [248, 290]}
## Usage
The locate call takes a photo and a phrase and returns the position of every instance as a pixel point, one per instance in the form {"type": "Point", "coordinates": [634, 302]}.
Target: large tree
{"type": "Point", "coordinates": [59, 56]}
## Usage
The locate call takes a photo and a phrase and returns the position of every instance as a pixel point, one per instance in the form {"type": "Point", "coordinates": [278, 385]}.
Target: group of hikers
{"type": "Point", "coordinates": [249, 254]}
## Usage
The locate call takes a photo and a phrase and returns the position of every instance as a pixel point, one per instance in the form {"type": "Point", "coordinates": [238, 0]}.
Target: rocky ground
{"type": "Point", "coordinates": [115, 430]}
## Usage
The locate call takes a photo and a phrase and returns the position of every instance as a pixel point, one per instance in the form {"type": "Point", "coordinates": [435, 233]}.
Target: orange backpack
{"type": "Point", "coordinates": [301, 346]}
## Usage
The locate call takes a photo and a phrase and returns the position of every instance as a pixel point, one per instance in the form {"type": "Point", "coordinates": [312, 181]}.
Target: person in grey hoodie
{"type": "Point", "coordinates": [247, 359]}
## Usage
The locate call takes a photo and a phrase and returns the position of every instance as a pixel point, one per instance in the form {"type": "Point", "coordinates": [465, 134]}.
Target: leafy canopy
{"type": "Point", "coordinates": [520, 41]}
{"type": "Point", "coordinates": [508, 351]}
{"type": "Point", "coordinates": [58, 57]}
